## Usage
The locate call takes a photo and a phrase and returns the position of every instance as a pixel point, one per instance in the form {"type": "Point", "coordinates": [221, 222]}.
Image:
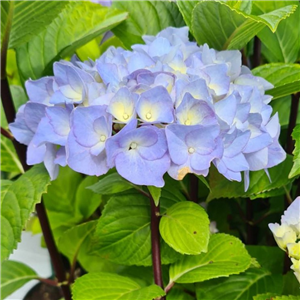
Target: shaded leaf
{"type": "Point", "coordinates": [155, 193]}
{"type": "Point", "coordinates": [185, 227]}
{"type": "Point", "coordinates": [226, 255]}
{"type": "Point", "coordinates": [260, 185]}
{"type": "Point", "coordinates": [13, 276]}
{"type": "Point", "coordinates": [240, 287]}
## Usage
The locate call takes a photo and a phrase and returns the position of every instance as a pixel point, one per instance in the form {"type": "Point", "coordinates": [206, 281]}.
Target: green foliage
{"type": "Point", "coordinates": [185, 227]}
{"type": "Point", "coordinates": [240, 287]}
{"type": "Point", "coordinates": [18, 200]}
{"type": "Point", "coordinates": [9, 159]}
{"type": "Point", "coordinates": [284, 77]}
{"type": "Point", "coordinates": [223, 26]}
{"type": "Point", "coordinates": [226, 255]}
{"type": "Point", "coordinates": [106, 286]}
{"type": "Point", "coordinates": [111, 184]}
{"type": "Point", "coordinates": [79, 23]}
{"type": "Point", "coordinates": [279, 46]}
{"type": "Point", "coordinates": [27, 19]}
{"type": "Point", "coordinates": [270, 296]}
{"type": "Point", "coordinates": [13, 276]}
{"type": "Point", "coordinates": [155, 193]}
{"type": "Point", "coordinates": [125, 224]}
{"type": "Point", "coordinates": [296, 166]}
{"type": "Point", "coordinates": [260, 185]}
{"type": "Point", "coordinates": [146, 17]}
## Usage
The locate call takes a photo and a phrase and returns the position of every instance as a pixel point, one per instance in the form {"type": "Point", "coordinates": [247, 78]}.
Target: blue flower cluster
{"type": "Point", "coordinates": [166, 106]}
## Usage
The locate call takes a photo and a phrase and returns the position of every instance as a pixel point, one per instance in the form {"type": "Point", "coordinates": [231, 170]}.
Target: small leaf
{"type": "Point", "coordinates": [284, 77]}
{"type": "Point", "coordinates": [260, 185]}
{"type": "Point", "coordinates": [240, 287]}
{"type": "Point", "coordinates": [28, 18]}
{"type": "Point", "coordinates": [79, 23]}
{"type": "Point", "coordinates": [13, 276]}
{"type": "Point", "coordinates": [224, 27]}
{"type": "Point", "coordinates": [72, 239]}
{"type": "Point", "coordinates": [146, 17]}
{"type": "Point", "coordinates": [185, 227]}
{"type": "Point", "coordinates": [111, 184]}
{"type": "Point", "coordinates": [226, 255]}
{"type": "Point", "coordinates": [18, 200]}
{"type": "Point", "coordinates": [155, 193]}
{"type": "Point", "coordinates": [107, 286]}
{"type": "Point", "coordinates": [296, 166]}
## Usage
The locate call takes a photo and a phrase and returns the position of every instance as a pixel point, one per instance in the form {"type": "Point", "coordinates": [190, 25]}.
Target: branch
{"type": "Point", "coordinates": [155, 242]}
{"type": "Point", "coordinates": [292, 122]}
{"type": "Point", "coordinates": [194, 188]}
{"type": "Point", "coordinates": [257, 51]}
{"type": "Point", "coordinates": [7, 134]}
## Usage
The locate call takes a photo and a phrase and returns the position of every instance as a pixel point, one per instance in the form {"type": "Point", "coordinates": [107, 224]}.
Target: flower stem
{"type": "Point", "coordinates": [194, 188]}
{"type": "Point", "coordinates": [292, 122]}
{"type": "Point", "coordinates": [257, 51]}
{"type": "Point", "coordinates": [60, 273]}
{"type": "Point", "coordinates": [155, 242]}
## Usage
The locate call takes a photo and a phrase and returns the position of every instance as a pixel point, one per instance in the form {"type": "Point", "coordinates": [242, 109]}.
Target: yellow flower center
{"type": "Point", "coordinates": [148, 116]}
{"type": "Point", "coordinates": [191, 150]}
{"type": "Point", "coordinates": [125, 116]}
{"type": "Point", "coordinates": [133, 145]}
{"type": "Point", "coordinates": [102, 138]}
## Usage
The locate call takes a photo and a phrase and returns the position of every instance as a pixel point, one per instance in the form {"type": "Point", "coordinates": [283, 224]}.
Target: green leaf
{"type": "Point", "coordinates": [224, 27]}
{"type": "Point", "coordinates": [185, 227]}
{"type": "Point", "coordinates": [296, 166]}
{"type": "Point", "coordinates": [123, 231]}
{"type": "Point", "coordinates": [146, 17]}
{"type": "Point", "coordinates": [18, 200]}
{"type": "Point", "coordinates": [79, 23]}
{"type": "Point", "coordinates": [155, 193]}
{"type": "Point", "coordinates": [279, 46]}
{"type": "Point", "coordinates": [179, 294]}
{"type": "Point", "coordinates": [271, 296]}
{"type": "Point", "coordinates": [28, 18]}
{"type": "Point", "coordinates": [226, 255]}
{"type": "Point", "coordinates": [71, 240]}
{"type": "Point", "coordinates": [111, 184]}
{"type": "Point", "coordinates": [106, 286]}
{"type": "Point", "coordinates": [86, 201]}
{"type": "Point", "coordinates": [13, 276]}
{"type": "Point", "coordinates": [284, 77]}
{"type": "Point", "coordinates": [290, 284]}
{"type": "Point", "coordinates": [245, 6]}
{"type": "Point", "coordinates": [9, 159]}
{"type": "Point", "coordinates": [260, 185]}
{"type": "Point", "coordinates": [186, 9]}
{"type": "Point", "coordinates": [240, 287]}
{"type": "Point", "coordinates": [263, 254]}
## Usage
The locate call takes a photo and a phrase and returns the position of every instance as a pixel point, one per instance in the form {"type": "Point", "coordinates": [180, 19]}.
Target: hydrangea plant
{"type": "Point", "coordinates": [149, 138]}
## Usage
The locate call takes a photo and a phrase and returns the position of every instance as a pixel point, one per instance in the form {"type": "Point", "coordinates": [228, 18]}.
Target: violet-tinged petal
{"type": "Point", "coordinates": [155, 106]}
{"type": "Point", "coordinates": [226, 109]}
{"type": "Point", "coordinates": [195, 112]}
{"type": "Point", "coordinates": [257, 143]}
{"type": "Point", "coordinates": [35, 154]}
{"type": "Point", "coordinates": [40, 90]}
{"type": "Point", "coordinates": [33, 113]}
{"type": "Point", "coordinates": [49, 159]}
{"type": "Point", "coordinates": [61, 158]}
{"type": "Point", "coordinates": [257, 160]}
{"type": "Point", "coordinates": [80, 160]}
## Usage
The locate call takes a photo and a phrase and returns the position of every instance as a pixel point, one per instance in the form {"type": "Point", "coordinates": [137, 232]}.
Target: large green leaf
{"type": "Point", "coordinates": [18, 200]}
{"type": "Point", "coordinates": [27, 18]}
{"type": "Point", "coordinates": [145, 17]}
{"type": "Point", "coordinates": [79, 23]}
{"type": "Point", "coordinates": [71, 240]}
{"type": "Point", "coordinates": [185, 227]}
{"type": "Point", "coordinates": [296, 166]}
{"type": "Point", "coordinates": [226, 255]}
{"type": "Point", "coordinates": [106, 286]}
{"type": "Point", "coordinates": [123, 231]}
{"type": "Point", "coordinates": [9, 159]}
{"type": "Point", "coordinates": [279, 46]}
{"type": "Point", "coordinates": [224, 27]}
{"type": "Point", "coordinates": [260, 185]}
{"type": "Point", "coordinates": [263, 254]}
{"type": "Point", "coordinates": [284, 77]}
{"type": "Point", "coordinates": [290, 284]}
{"type": "Point", "coordinates": [240, 287]}
{"type": "Point", "coordinates": [271, 296]}
{"type": "Point", "coordinates": [13, 276]}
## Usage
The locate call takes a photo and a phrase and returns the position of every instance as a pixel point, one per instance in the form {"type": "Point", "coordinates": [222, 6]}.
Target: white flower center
{"type": "Point", "coordinates": [191, 150]}
{"type": "Point", "coordinates": [133, 145]}
{"type": "Point", "coordinates": [148, 116]}
{"type": "Point", "coordinates": [102, 138]}
{"type": "Point", "coordinates": [187, 122]}
{"type": "Point", "coordinates": [125, 116]}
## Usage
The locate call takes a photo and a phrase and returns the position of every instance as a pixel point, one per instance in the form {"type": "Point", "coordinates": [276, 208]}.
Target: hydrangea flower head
{"type": "Point", "coordinates": [166, 106]}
